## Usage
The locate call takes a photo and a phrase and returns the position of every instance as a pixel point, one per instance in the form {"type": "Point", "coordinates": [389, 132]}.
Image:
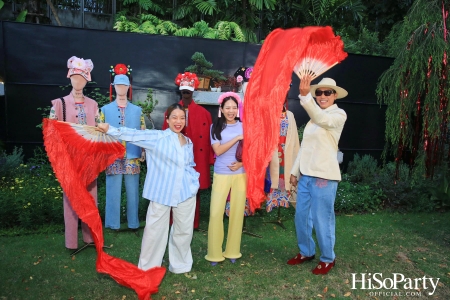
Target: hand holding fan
{"type": "Point", "coordinates": [320, 56]}
{"type": "Point", "coordinates": [91, 133]}
{"type": "Point", "coordinates": [308, 51]}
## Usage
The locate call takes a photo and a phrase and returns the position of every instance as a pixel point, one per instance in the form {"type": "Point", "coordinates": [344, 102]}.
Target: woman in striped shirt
{"type": "Point", "coordinates": [171, 183]}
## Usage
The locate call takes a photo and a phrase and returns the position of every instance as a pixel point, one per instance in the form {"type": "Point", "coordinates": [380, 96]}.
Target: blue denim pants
{"type": "Point", "coordinates": [315, 209]}
{"type": "Point", "coordinates": [113, 195]}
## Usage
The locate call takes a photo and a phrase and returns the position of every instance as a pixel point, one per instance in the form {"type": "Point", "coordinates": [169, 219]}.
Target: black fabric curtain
{"type": "Point", "coordinates": [33, 67]}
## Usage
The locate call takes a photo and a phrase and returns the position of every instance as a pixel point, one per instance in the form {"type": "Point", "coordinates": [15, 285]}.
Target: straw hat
{"type": "Point", "coordinates": [329, 83]}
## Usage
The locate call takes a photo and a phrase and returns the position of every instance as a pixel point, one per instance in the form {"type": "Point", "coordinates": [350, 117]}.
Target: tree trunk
{"type": "Point", "coordinates": [54, 12]}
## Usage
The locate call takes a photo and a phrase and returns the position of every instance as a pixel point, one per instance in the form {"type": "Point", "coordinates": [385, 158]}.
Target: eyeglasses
{"type": "Point", "coordinates": [186, 92]}
{"type": "Point", "coordinates": [326, 93]}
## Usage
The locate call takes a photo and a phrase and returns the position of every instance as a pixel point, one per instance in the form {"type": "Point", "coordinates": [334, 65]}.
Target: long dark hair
{"type": "Point", "coordinates": [221, 122]}
{"type": "Point", "coordinates": [171, 108]}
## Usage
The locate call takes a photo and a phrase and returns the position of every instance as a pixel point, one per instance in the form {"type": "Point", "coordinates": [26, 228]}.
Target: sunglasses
{"type": "Point", "coordinates": [326, 93]}
{"type": "Point", "coordinates": [186, 92]}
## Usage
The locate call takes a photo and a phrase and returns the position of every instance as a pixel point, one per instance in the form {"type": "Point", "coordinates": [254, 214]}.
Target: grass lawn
{"type": "Point", "coordinates": [37, 266]}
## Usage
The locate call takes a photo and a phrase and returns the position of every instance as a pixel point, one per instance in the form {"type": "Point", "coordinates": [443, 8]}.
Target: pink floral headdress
{"type": "Point", "coordinates": [226, 95]}
{"type": "Point", "coordinates": [79, 66]}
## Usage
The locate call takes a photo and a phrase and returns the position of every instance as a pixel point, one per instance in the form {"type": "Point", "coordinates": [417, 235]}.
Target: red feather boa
{"type": "Point", "coordinates": [76, 162]}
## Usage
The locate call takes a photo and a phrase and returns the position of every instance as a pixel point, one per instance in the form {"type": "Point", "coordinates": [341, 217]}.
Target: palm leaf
{"type": "Point", "coordinates": [22, 15]}
{"type": "Point", "coordinates": [182, 11]}
{"type": "Point", "coordinates": [148, 27]}
{"type": "Point", "coordinates": [149, 17]}
{"type": "Point", "coordinates": [201, 27]}
{"type": "Point", "coordinates": [211, 34]}
{"type": "Point", "coordinates": [223, 30]}
{"type": "Point", "coordinates": [182, 32]}
{"type": "Point", "coordinates": [170, 26]}
{"type": "Point", "coordinates": [150, 5]}
{"type": "Point", "coordinates": [249, 35]}
{"type": "Point", "coordinates": [239, 35]}
{"type": "Point", "coordinates": [259, 4]}
{"type": "Point", "coordinates": [206, 7]}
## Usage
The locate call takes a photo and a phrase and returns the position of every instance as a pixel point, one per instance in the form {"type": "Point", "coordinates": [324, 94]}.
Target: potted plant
{"type": "Point", "coordinates": [148, 106]}
{"type": "Point", "coordinates": [202, 68]}
{"type": "Point", "coordinates": [229, 84]}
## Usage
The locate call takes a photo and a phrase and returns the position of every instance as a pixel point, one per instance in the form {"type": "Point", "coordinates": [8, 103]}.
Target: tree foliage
{"type": "Point", "coordinates": [416, 88]}
{"type": "Point", "coordinates": [202, 66]}
{"type": "Point", "coordinates": [150, 24]}
{"type": "Point", "coordinates": [364, 24]}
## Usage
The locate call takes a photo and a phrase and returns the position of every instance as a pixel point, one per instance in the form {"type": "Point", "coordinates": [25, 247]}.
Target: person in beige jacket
{"type": "Point", "coordinates": [316, 170]}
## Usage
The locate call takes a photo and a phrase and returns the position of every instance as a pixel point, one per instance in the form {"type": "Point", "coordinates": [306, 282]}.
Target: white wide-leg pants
{"type": "Point", "coordinates": [154, 240]}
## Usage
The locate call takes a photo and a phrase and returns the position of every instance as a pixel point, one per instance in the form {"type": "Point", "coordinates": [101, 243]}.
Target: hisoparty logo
{"type": "Point", "coordinates": [376, 281]}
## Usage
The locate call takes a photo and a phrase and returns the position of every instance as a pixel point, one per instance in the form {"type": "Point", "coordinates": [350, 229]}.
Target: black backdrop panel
{"type": "Point", "coordinates": [2, 54]}
{"type": "Point", "coordinates": [2, 98]}
{"type": "Point", "coordinates": [362, 128]}
{"type": "Point", "coordinates": [155, 60]}
{"type": "Point", "coordinates": [33, 63]}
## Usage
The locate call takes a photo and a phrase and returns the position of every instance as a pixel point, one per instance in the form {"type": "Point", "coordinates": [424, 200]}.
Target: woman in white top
{"type": "Point", "coordinates": [226, 132]}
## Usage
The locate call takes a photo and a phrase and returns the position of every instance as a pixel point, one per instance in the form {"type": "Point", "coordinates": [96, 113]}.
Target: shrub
{"type": "Point", "coordinates": [440, 191]}
{"type": "Point", "coordinates": [362, 169]}
{"type": "Point", "coordinates": [9, 162]}
{"type": "Point", "coordinates": [31, 196]}
{"type": "Point", "coordinates": [404, 193]}
{"type": "Point", "coordinates": [356, 197]}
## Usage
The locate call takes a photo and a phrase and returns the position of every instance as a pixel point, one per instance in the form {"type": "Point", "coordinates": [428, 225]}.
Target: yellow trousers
{"type": "Point", "coordinates": [220, 189]}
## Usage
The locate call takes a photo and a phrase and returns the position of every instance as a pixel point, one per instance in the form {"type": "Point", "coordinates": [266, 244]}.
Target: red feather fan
{"type": "Point", "coordinates": [78, 154]}
{"type": "Point", "coordinates": [310, 49]}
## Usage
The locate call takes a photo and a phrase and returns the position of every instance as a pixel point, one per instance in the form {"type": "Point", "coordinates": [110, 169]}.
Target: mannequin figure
{"type": "Point", "coordinates": [122, 113]}
{"type": "Point", "coordinates": [76, 108]}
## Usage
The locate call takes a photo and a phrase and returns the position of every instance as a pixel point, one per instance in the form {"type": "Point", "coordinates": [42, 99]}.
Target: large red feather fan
{"type": "Point", "coordinates": [78, 154]}
{"type": "Point", "coordinates": [310, 50]}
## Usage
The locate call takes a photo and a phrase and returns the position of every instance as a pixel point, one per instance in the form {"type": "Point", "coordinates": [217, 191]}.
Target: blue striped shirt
{"type": "Point", "coordinates": [171, 177]}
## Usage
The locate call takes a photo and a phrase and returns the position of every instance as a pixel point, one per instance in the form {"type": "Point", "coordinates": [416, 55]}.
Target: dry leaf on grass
{"type": "Point", "coordinates": [347, 294]}
{"type": "Point", "coordinates": [325, 289]}
{"type": "Point", "coordinates": [403, 257]}
{"type": "Point", "coordinates": [190, 275]}
{"type": "Point", "coordinates": [333, 295]}
{"type": "Point", "coordinates": [177, 292]}
{"type": "Point", "coordinates": [319, 295]}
